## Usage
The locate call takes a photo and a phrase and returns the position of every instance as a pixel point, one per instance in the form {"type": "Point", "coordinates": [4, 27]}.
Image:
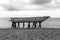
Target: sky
{"type": "Point", "coordinates": [29, 8]}
{"type": "Point", "coordinates": [18, 5]}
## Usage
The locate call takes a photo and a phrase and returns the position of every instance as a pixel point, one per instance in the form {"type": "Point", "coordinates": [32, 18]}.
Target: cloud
{"type": "Point", "coordinates": [18, 5]}
{"type": "Point", "coordinates": [55, 4]}
{"type": "Point", "coordinates": [14, 5]}
{"type": "Point", "coordinates": [41, 2]}
{"type": "Point", "coordinates": [9, 7]}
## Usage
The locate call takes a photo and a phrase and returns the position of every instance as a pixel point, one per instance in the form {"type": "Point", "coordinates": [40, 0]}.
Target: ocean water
{"type": "Point", "coordinates": [51, 23]}
{"type": "Point", "coordinates": [5, 24]}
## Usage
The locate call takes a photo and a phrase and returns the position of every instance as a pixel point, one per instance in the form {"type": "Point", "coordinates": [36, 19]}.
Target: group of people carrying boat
{"type": "Point", "coordinates": [26, 24]}
{"type": "Point", "coordinates": [31, 22]}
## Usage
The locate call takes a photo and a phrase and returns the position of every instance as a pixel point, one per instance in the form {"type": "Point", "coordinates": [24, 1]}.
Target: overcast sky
{"type": "Point", "coordinates": [30, 8]}
{"type": "Point", "coordinates": [15, 5]}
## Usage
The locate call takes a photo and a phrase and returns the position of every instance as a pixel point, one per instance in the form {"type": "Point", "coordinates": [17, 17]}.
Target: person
{"type": "Point", "coordinates": [34, 24]}
{"type": "Point", "coordinates": [29, 24]}
{"type": "Point", "coordinates": [39, 24]}
{"type": "Point", "coordinates": [14, 24]}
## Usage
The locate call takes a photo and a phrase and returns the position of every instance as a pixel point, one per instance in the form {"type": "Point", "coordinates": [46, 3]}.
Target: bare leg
{"type": "Point", "coordinates": [18, 25]}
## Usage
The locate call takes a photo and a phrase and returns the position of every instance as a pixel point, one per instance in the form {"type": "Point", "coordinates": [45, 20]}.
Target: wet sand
{"type": "Point", "coordinates": [30, 34]}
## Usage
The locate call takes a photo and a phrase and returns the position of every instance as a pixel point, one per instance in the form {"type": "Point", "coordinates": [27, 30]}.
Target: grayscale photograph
{"type": "Point", "coordinates": [29, 19]}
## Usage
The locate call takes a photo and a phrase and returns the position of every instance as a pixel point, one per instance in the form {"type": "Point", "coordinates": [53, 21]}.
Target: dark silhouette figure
{"type": "Point", "coordinates": [23, 24]}
{"type": "Point", "coordinates": [34, 24]}
{"type": "Point", "coordinates": [39, 24]}
{"type": "Point", "coordinates": [29, 24]}
{"type": "Point", "coordinates": [13, 24]}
